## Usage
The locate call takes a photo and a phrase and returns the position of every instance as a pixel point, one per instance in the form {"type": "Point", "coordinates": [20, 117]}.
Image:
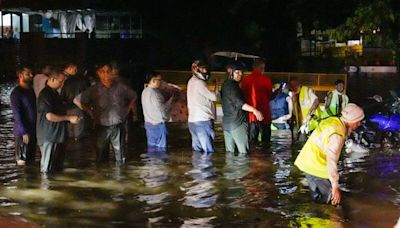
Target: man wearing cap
{"type": "Point", "coordinates": [234, 108]}
{"type": "Point", "coordinates": [319, 156]}
{"type": "Point", "coordinates": [201, 108]}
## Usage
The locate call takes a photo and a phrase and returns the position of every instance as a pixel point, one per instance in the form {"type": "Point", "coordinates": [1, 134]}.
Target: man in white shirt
{"type": "Point", "coordinates": [201, 108]}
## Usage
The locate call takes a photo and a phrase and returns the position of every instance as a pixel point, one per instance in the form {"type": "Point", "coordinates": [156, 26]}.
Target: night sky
{"type": "Point", "coordinates": [178, 30]}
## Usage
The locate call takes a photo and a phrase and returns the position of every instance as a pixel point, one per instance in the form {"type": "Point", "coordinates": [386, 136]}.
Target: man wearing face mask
{"type": "Point", "coordinates": [201, 108]}
{"type": "Point", "coordinates": [23, 105]}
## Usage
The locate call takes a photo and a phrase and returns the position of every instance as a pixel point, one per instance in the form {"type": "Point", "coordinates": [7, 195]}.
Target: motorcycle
{"type": "Point", "coordinates": [381, 129]}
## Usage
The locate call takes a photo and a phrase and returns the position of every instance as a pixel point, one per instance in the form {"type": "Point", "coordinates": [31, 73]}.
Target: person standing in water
{"type": "Point", "coordinates": [23, 106]}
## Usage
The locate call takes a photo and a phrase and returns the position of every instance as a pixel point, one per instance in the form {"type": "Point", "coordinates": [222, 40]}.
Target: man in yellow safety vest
{"type": "Point", "coordinates": [305, 104]}
{"type": "Point", "coordinates": [336, 100]}
{"type": "Point", "coordinates": [319, 156]}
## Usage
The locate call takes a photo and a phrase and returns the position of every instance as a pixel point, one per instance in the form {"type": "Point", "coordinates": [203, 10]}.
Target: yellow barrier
{"type": "Point", "coordinates": [321, 83]}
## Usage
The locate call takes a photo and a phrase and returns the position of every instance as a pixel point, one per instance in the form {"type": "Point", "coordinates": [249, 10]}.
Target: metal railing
{"type": "Point", "coordinates": [321, 83]}
{"type": "Point", "coordinates": [97, 34]}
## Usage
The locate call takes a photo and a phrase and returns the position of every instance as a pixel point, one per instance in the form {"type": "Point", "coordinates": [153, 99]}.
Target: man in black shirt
{"type": "Point", "coordinates": [74, 85]}
{"type": "Point", "coordinates": [51, 128]}
{"type": "Point", "coordinates": [235, 119]}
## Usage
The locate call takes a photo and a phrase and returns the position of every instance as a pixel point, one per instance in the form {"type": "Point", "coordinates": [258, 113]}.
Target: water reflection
{"type": "Point", "coordinates": [282, 160]}
{"type": "Point", "coordinates": [182, 188]}
{"type": "Point", "coordinates": [236, 167]}
{"type": "Point", "coordinates": [155, 176]}
{"type": "Point", "coordinates": [200, 192]}
{"type": "Point", "coordinates": [260, 188]}
{"type": "Point", "coordinates": [199, 222]}
{"type": "Point", "coordinates": [9, 172]}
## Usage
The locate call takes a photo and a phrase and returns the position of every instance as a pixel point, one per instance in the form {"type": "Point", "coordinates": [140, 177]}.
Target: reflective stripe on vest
{"type": "Point", "coordinates": [312, 157]}
{"type": "Point", "coordinates": [305, 105]}
{"type": "Point", "coordinates": [305, 101]}
{"type": "Point", "coordinates": [334, 103]}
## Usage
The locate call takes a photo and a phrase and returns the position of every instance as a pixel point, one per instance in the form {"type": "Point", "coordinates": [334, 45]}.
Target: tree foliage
{"type": "Point", "coordinates": [373, 22]}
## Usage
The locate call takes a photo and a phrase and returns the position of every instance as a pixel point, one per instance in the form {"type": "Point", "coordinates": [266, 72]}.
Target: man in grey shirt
{"type": "Point", "coordinates": [155, 111]}
{"type": "Point", "coordinates": [108, 102]}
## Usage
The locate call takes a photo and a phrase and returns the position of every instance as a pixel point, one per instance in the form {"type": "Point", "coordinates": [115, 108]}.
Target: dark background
{"type": "Point", "coordinates": [176, 32]}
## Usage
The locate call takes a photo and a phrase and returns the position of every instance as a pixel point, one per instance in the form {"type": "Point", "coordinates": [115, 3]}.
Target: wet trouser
{"type": "Point", "coordinates": [320, 189]}
{"type": "Point", "coordinates": [52, 157]}
{"type": "Point", "coordinates": [115, 135]}
{"type": "Point", "coordinates": [237, 138]}
{"type": "Point", "coordinates": [157, 135]}
{"type": "Point", "coordinates": [259, 127]}
{"type": "Point", "coordinates": [203, 135]}
{"type": "Point", "coordinates": [25, 151]}
{"type": "Point", "coordinates": [76, 131]}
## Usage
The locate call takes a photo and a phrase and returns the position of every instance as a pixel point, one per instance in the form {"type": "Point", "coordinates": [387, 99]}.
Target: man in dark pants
{"type": "Point", "coordinates": [51, 125]}
{"type": "Point", "coordinates": [74, 85]}
{"type": "Point", "coordinates": [108, 102]}
{"type": "Point", "coordinates": [257, 90]}
{"type": "Point", "coordinates": [23, 105]}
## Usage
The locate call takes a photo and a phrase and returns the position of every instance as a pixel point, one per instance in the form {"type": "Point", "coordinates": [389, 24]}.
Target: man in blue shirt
{"type": "Point", "coordinates": [23, 105]}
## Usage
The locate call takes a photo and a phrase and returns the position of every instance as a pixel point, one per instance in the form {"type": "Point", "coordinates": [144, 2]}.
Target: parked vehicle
{"type": "Point", "coordinates": [381, 127]}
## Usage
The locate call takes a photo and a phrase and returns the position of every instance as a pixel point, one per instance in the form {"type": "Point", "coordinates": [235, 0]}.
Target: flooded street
{"type": "Point", "coordinates": [185, 189]}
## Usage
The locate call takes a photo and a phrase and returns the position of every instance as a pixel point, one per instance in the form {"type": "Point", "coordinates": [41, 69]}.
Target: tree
{"type": "Point", "coordinates": [374, 22]}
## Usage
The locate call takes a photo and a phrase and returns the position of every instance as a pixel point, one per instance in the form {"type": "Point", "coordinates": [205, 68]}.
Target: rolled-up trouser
{"type": "Point", "coordinates": [203, 135]}
{"type": "Point", "coordinates": [76, 130]}
{"type": "Point", "coordinates": [157, 135]}
{"type": "Point", "coordinates": [320, 189]}
{"type": "Point", "coordinates": [52, 157]}
{"type": "Point", "coordinates": [260, 127]}
{"type": "Point", "coordinates": [25, 151]}
{"type": "Point", "coordinates": [237, 138]}
{"type": "Point", "coordinates": [115, 135]}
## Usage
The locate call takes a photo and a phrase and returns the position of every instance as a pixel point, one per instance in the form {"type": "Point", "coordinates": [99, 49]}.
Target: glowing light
{"type": "Point", "coordinates": [388, 123]}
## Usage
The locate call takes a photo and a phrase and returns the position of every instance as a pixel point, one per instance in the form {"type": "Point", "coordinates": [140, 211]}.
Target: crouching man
{"type": "Point", "coordinates": [319, 156]}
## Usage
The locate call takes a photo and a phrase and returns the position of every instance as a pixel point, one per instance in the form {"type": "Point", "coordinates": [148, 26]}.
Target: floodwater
{"type": "Point", "coordinates": [185, 189]}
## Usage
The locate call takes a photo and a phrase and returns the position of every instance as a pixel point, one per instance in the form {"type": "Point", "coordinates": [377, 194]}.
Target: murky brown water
{"type": "Point", "coordinates": [186, 189]}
